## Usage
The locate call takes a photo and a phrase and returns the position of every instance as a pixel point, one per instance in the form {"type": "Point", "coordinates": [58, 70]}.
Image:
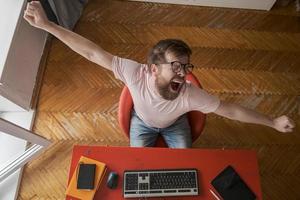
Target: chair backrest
{"type": "Point", "coordinates": [196, 118]}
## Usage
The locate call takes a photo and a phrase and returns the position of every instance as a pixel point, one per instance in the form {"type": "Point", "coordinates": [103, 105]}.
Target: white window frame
{"type": "Point", "coordinates": [39, 143]}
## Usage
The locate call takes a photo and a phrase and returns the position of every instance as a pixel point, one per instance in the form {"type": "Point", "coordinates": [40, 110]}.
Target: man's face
{"type": "Point", "coordinates": [167, 82]}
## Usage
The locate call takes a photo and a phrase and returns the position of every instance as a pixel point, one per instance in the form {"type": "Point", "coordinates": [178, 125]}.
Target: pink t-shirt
{"type": "Point", "coordinates": [149, 105]}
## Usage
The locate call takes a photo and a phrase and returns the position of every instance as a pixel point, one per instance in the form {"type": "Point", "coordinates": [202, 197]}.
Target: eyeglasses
{"type": "Point", "coordinates": [177, 66]}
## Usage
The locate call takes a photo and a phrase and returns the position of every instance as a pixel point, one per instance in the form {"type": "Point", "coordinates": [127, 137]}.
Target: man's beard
{"type": "Point", "coordinates": [164, 89]}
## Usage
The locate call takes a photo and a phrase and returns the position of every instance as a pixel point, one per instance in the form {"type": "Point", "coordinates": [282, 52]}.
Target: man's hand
{"type": "Point", "coordinates": [283, 124]}
{"type": "Point", "coordinates": [35, 15]}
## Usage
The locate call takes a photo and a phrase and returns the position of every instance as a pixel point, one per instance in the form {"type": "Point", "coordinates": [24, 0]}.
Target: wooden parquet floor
{"type": "Point", "coordinates": [243, 56]}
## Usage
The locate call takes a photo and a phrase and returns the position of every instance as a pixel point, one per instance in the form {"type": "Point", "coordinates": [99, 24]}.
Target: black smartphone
{"type": "Point", "coordinates": [231, 186]}
{"type": "Point", "coordinates": [86, 176]}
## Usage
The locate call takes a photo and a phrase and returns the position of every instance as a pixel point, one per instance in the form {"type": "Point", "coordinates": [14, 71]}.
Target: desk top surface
{"type": "Point", "coordinates": [209, 163]}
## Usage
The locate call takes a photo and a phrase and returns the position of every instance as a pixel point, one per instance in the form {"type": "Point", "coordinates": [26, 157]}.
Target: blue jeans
{"type": "Point", "coordinates": [177, 135]}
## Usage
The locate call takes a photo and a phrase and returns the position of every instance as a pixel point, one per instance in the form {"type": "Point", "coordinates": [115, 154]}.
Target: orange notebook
{"type": "Point", "coordinates": [86, 194]}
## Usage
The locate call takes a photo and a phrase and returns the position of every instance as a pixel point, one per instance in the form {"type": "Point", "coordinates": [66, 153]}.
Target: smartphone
{"type": "Point", "coordinates": [86, 176]}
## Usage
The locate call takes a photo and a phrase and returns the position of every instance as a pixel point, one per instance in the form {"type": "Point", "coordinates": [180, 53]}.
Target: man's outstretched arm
{"type": "Point", "coordinates": [237, 112]}
{"type": "Point", "coordinates": [36, 17]}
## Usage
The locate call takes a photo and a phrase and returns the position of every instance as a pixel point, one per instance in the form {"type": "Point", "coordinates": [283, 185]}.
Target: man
{"type": "Point", "coordinates": [160, 93]}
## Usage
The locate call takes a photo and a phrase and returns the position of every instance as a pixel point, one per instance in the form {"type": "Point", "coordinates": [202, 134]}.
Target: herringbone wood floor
{"type": "Point", "coordinates": [244, 56]}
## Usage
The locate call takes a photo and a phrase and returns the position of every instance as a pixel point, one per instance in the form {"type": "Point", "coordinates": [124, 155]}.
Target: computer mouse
{"type": "Point", "coordinates": [112, 180]}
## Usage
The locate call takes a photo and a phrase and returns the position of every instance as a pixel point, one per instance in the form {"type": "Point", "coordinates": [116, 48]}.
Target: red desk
{"type": "Point", "coordinates": [208, 162]}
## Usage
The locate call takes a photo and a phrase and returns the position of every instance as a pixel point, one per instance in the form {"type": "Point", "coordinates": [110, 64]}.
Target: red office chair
{"type": "Point", "coordinates": [196, 118]}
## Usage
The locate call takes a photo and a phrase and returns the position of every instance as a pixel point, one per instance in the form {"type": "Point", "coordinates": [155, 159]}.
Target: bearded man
{"type": "Point", "coordinates": [161, 96]}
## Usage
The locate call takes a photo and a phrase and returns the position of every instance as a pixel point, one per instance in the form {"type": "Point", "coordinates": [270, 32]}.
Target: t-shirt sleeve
{"type": "Point", "coordinates": [126, 70]}
{"type": "Point", "coordinates": [200, 100]}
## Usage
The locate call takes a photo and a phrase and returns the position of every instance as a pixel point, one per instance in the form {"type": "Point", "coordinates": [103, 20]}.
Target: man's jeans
{"type": "Point", "coordinates": [178, 135]}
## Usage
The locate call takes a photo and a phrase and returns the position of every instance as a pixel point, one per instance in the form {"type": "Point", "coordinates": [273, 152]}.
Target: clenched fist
{"type": "Point", "coordinates": [35, 15]}
{"type": "Point", "coordinates": [283, 124]}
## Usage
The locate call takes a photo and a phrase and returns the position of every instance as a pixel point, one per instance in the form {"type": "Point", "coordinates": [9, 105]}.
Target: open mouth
{"type": "Point", "coordinates": [176, 85]}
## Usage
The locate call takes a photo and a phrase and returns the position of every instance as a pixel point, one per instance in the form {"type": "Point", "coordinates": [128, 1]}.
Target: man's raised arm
{"type": "Point", "coordinates": [35, 16]}
{"type": "Point", "coordinates": [237, 112]}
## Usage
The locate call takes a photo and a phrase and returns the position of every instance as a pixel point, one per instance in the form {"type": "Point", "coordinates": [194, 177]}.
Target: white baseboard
{"type": "Point", "coordinates": [243, 4]}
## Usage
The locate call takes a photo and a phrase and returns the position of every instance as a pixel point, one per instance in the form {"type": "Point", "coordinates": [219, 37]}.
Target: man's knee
{"type": "Point", "coordinates": [141, 143]}
{"type": "Point", "coordinates": [180, 144]}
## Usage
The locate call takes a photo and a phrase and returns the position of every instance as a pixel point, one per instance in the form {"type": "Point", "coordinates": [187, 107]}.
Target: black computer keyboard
{"type": "Point", "coordinates": [160, 183]}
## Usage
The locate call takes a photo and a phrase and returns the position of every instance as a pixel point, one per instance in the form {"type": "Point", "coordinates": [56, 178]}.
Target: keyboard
{"type": "Point", "coordinates": [160, 183]}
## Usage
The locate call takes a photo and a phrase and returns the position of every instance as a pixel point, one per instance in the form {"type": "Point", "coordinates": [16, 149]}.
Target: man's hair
{"type": "Point", "coordinates": [177, 47]}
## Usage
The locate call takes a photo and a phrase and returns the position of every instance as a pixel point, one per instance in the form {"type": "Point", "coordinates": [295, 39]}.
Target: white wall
{"type": "Point", "coordinates": [8, 106]}
{"type": "Point", "coordinates": [246, 4]}
{"type": "Point", "coordinates": [21, 65]}
{"type": "Point", "coordinates": [21, 47]}
{"type": "Point", "coordinates": [9, 15]}
{"type": "Point", "coordinates": [9, 188]}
